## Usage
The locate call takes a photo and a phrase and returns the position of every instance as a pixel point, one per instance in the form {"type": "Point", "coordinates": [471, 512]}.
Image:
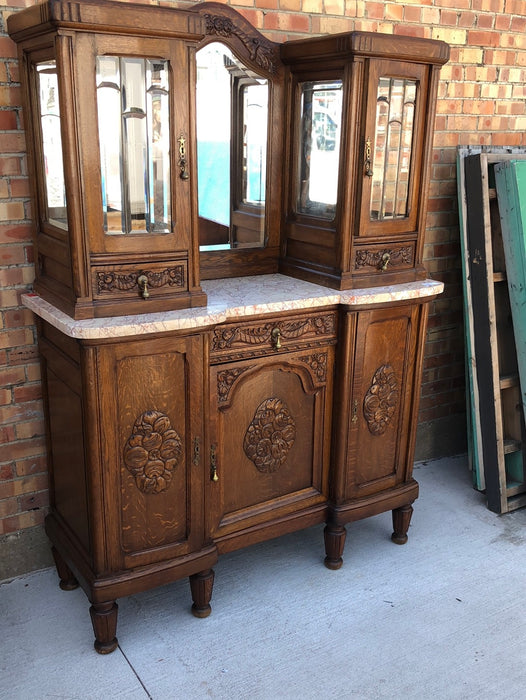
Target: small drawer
{"type": "Point", "coordinates": [135, 282]}
{"type": "Point", "coordinates": [274, 334]}
{"type": "Point", "coordinates": [384, 257]}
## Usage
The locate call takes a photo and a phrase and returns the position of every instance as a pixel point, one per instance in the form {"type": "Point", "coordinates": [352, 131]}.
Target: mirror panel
{"type": "Point", "coordinates": [52, 144]}
{"type": "Point", "coordinates": [319, 149]}
{"type": "Point", "coordinates": [395, 115]}
{"type": "Point", "coordinates": [232, 125]}
{"type": "Point", "coordinates": [134, 132]}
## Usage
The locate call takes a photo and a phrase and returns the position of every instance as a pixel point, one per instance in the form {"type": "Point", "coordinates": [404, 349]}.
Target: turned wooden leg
{"type": "Point", "coordinates": [68, 582]}
{"type": "Point", "coordinates": [201, 586]}
{"type": "Point", "coordinates": [401, 520]}
{"type": "Point", "coordinates": [334, 543]}
{"type": "Point", "coordinates": [104, 621]}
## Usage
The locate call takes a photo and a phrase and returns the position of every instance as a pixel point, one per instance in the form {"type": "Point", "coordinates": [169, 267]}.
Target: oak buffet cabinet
{"type": "Point", "coordinates": [230, 296]}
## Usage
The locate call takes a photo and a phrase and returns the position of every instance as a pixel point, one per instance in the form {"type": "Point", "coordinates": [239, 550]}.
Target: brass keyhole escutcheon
{"type": "Point", "coordinates": [142, 281]}
{"type": "Point", "coordinates": [183, 163]}
{"type": "Point", "coordinates": [276, 338]}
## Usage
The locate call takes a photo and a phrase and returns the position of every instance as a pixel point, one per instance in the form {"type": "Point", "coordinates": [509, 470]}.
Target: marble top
{"type": "Point", "coordinates": [230, 299]}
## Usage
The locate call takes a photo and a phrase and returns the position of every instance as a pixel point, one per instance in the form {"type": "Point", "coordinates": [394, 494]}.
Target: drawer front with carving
{"type": "Point", "coordinates": [384, 258]}
{"type": "Point", "coordinates": [233, 341]}
{"type": "Point", "coordinates": [139, 282]}
{"type": "Point", "coordinates": [269, 443]}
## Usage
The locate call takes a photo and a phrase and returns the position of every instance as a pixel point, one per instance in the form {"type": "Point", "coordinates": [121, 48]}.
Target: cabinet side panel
{"type": "Point", "coordinates": [67, 456]}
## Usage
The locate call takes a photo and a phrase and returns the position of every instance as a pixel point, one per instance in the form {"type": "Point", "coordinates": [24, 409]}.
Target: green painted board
{"type": "Point", "coordinates": [510, 181]}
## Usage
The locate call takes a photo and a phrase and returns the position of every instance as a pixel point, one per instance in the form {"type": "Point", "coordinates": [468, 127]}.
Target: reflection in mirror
{"type": "Point", "coordinates": [232, 122]}
{"type": "Point", "coordinates": [134, 133]}
{"type": "Point", "coordinates": [395, 111]}
{"type": "Point", "coordinates": [52, 143]}
{"type": "Point", "coordinates": [319, 155]}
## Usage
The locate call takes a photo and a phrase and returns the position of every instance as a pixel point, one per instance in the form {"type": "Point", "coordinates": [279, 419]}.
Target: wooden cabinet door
{"type": "Point", "coordinates": [151, 425]}
{"type": "Point", "coordinates": [375, 435]}
{"type": "Point", "coordinates": [397, 96]}
{"type": "Point", "coordinates": [269, 442]}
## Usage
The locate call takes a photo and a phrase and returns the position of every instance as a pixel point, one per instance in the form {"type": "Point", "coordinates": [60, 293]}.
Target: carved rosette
{"type": "Point", "coordinates": [374, 258]}
{"type": "Point", "coordinates": [152, 452]}
{"type": "Point", "coordinates": [110, 281]}
{"type": "Point", "coordinates": [270, 436]}
{"type": "Point", "coordinates": [381, 400]}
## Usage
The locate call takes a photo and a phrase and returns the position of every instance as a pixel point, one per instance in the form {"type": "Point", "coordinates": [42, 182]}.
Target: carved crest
{"type": "Point", "coordinates": [270, 435]}
{"type": "Point", "coordinates": [381, 400]}
{"type": "Point", "coordinates": [260, 50]}
{"type": "Point", "coordinates": [152, 452]}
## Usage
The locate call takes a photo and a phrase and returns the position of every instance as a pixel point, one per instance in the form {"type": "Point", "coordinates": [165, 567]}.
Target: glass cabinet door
{"type": "Point", "coordinates": [392, 162]}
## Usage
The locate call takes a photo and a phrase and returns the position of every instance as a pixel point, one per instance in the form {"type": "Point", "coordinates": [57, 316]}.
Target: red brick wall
{"type": "Point", "coordinates": [481, 102]}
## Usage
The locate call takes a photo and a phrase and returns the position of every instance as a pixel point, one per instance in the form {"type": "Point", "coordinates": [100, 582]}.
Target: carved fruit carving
{"type": "Point", "coordinates": [270, 435]}
{"type": "Point", "coordinates": [379, 404]}
{"type": "Point", "coordinates": [152, 452]}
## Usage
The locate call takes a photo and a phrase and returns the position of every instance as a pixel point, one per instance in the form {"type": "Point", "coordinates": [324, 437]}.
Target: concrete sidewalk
{"type": "Point", "coordinates": [441, 617]}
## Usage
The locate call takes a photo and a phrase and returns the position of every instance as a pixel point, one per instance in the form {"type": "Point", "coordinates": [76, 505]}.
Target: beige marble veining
{"type": "Point", "coordinates": [230, 299]}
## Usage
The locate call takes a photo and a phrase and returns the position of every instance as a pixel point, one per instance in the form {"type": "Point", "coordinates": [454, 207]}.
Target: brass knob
{"type": "Point", "coordinates": [142, 281]}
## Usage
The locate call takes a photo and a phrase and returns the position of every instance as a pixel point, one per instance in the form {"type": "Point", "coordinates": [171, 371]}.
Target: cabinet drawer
{"type": "Point", "coordinates": [129, 281]}
{"type": "Point", "coordinates": [382, 258]}
{"type": "Point", "coordinates": [234, 341]}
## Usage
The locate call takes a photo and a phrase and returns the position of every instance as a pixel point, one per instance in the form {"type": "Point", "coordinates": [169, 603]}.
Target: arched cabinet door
{"type": "Point", "coordinates": [270, 428]}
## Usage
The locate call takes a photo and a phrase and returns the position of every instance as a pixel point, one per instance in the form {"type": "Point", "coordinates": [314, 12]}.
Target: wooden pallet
{"type": "Point", "coordinates": [497, 433]}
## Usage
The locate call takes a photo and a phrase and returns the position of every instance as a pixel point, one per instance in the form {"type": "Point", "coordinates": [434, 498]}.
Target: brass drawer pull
{"type": "Point", "coordinates": [142, 281]}
{"type": "Point", "coordinates": [276, 338]}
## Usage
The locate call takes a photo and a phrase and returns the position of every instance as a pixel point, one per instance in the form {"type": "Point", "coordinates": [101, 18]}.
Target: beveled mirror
{"type": "Point", "coordinates": [239, 125]}
{"type": "Point", "coordinates": [232, 128]}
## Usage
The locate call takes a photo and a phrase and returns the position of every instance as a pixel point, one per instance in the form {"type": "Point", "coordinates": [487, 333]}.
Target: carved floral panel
{"type": "Point", "coordinates": [381, 400]}
{"type": "Point", "coordinates": [270, 435]}
{"type": "Point", "coordinates": [152, 452]}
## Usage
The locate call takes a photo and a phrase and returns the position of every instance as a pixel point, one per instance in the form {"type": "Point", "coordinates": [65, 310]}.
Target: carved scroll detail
{"type": "Point", "coordinates": [318, 364]}
{"type": "Point", "coordinates": [381, 400]}
{"type": "Point", "coordinates": [110, 281]}
{"type": "Point", "coordinates": [374, 258]}
{"type": "Point", "coordinates": [270, 436]}
{"type": "Point", "coordinates": [225, 381]}
{"type": "Point", "coordinates": [152, 452]}
{"type": "Point", "coordinates": [261, 51]}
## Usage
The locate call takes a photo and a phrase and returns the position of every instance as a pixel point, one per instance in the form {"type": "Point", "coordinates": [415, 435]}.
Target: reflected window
{"type": "Point", "coordinates": [134, 134]}
{"type": "Point", "coordinates": [232, 125]}
{"type": "Point", "coordinates": [52, 143]}
{"type": "Point", "coordinates": [319, 154]}
{"type": "Point", "coordinates": [395, 114]}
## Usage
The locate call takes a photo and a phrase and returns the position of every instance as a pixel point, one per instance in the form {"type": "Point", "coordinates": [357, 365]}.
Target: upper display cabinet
{"type": "Point", "coordinates": [109, 101]}
{"type": "Point", "coordinates": [168, 146]}
{"type": "Point", "coordinates": [359, 139]}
